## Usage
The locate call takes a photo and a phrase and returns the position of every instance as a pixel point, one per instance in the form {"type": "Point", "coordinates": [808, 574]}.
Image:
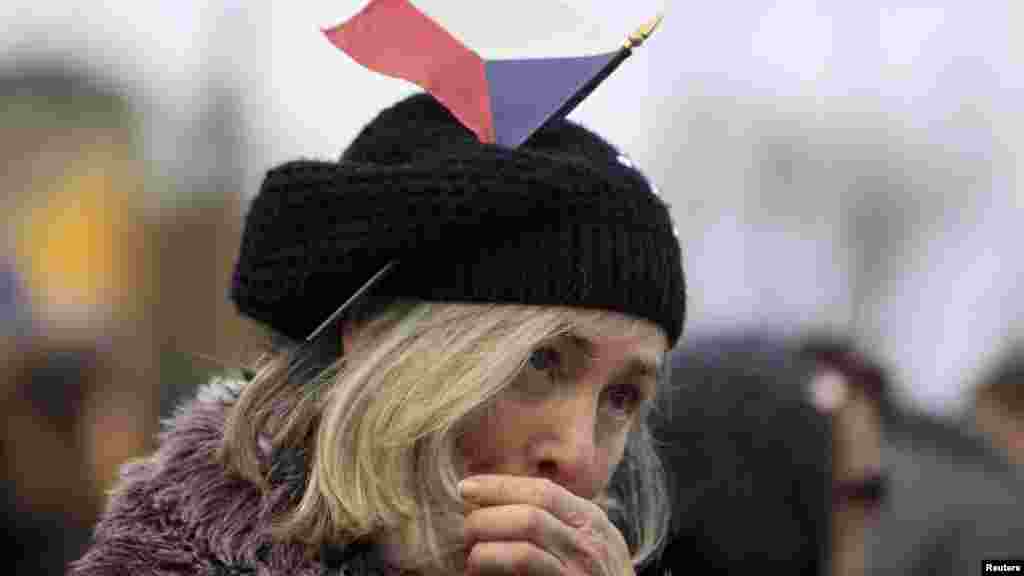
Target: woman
{"type": "Point", "coordinates": [488, 412]}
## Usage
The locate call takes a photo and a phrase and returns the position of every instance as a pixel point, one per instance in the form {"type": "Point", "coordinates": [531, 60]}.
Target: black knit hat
{"type": "Point", "coordinates": [560, 220]}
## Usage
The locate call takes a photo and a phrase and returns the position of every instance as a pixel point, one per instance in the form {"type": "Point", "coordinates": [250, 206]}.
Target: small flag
{"type": "Point", "coordinates": [502, 101]}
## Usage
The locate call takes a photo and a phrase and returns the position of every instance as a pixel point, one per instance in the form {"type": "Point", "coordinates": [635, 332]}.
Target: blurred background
{"type": "Point", "coordinates": [852, 167]}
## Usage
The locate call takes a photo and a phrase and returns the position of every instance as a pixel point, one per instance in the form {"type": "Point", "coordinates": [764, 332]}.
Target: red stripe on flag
{"type": "Point", "coordinates": [394, 38]}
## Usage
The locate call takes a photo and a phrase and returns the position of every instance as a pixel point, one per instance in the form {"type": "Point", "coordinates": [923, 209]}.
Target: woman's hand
{"type": "Point", "coordinates": [527, 526]}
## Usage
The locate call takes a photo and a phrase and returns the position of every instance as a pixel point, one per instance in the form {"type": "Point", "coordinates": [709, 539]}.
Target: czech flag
{"type": "Point", "coordinates": [502, 100]}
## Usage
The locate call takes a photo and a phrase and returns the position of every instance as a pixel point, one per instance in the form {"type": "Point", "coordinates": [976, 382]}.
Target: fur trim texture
{"type": "Point", "coordinates": [181, 512]}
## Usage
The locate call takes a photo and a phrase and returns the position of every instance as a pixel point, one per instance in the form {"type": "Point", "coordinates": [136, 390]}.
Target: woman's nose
{"type": "Point", "coordinates": [566, 451]}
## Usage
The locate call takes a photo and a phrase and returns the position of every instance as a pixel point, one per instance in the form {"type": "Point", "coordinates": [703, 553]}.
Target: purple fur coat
{"type": "Point", "coordinates": [179, 512]}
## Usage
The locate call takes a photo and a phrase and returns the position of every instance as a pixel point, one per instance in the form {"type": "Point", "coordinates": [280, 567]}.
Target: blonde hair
{"type": "Point", "coordinates": [380, 425]}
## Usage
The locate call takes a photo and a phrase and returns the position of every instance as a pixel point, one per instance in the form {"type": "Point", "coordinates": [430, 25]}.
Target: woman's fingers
{"type": "Point", "coordinates": [512, 559]}
{"type": "Point", "coordinates": [519, 517]}
{"type": "Point", "coordinates": [496, 490]}
{"type": "Point", "coordinates": [521, 522]}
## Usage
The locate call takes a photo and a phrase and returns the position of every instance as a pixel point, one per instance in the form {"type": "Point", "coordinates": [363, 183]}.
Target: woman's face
{"type": "Point", "coordinates": [568, 414]}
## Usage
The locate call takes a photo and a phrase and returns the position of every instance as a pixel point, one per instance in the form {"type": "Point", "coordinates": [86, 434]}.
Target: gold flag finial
{"type": "Point", "coordinates": [642, 33]}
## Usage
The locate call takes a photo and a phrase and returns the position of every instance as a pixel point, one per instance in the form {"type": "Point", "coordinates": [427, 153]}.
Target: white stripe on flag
{"type": "Point", "coordinates": [511, 29]}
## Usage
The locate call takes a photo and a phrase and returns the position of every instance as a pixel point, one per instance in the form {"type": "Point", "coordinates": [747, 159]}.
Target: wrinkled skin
{"type": "Point", "coordinates": [545, 452]}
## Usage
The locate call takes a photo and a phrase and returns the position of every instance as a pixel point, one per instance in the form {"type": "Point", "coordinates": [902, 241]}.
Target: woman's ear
{"type": "Point", "coordinates": [348, 337]}
{"type": "Point", "coordinates": [351, 335]}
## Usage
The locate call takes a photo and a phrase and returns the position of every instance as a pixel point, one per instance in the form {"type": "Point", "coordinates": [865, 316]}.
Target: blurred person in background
{"type": "Point", "coordinates": [949, 501]}
{"type": "Point", "coordinates": [51, 495]}
{"type": "Point", "coordinates": [45, 526]}
{"type": "Point", "coordinates": [844, 387]}
{"type": "Point", "coordinates": [998, 407]}
{"type": "Point", "coordinates": [72, 223]}
{"type": "Point", "coordinates": [772, 455]}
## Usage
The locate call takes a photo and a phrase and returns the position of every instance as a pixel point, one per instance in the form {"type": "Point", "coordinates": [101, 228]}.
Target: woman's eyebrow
{"type": "Point", "coordinates": [641, 365]}
{"type": "Point", "coordinates": [580, 341]}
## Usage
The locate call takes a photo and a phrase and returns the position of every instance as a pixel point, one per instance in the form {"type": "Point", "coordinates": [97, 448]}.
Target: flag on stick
{"type": "Point", "coordinates": [502, 101]}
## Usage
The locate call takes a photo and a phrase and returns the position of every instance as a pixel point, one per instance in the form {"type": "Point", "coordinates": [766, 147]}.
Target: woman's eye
{"type": "Point", "coordinates": [545, 358]}
{"type": "Point", "coordinates": [623, 399]}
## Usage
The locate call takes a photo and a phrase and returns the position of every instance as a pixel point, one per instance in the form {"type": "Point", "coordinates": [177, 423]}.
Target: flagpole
{"type": "Point", "coordinates": [337, 313]}
{"type": "Point", "coordinates": [323, 345]}
{"type": "Point", "coordinates": [632, 41]}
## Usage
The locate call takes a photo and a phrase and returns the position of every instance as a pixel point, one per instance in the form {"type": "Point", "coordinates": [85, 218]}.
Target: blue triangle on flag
{"type": "Point", "coordinates": [525, 93]}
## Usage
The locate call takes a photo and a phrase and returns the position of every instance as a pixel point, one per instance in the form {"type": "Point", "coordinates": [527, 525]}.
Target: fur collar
{"type": "Point", "coordinates": [180, 512]}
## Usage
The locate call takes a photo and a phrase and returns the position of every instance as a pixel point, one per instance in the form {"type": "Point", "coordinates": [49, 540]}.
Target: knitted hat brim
{"type": "Point", "coordinates": [483, 224]}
